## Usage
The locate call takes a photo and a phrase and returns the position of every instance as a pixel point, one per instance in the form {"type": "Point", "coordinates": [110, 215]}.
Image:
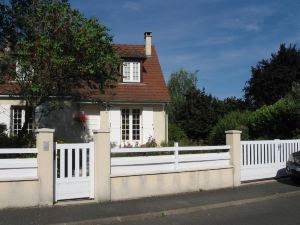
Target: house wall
{"type": "Point", "coordinates": [70, 130]}
{"type": "Point", "coordinates": [67, 128]}
{"type": "Point", "coordinates": [159, 121]}
{"type": "Point", "coordinates": [100, 117]}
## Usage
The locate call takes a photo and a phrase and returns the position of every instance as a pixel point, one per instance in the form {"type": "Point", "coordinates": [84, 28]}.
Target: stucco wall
{"type": "Point", "coordinates": [130, 187]}
{"type": "Point", "coordinates": [69, 130]}
{"type": "Point", "coordinates": [19, 193]}
{"type": "Point", "coordinates": [159, 121]}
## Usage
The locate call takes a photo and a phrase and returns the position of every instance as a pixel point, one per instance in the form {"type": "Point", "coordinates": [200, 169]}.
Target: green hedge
{"type": "Point", "coordinates": [232, 121]}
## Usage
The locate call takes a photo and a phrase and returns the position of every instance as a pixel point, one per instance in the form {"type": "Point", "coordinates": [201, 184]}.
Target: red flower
{"type": "Point", "coordinates": [82, 117]}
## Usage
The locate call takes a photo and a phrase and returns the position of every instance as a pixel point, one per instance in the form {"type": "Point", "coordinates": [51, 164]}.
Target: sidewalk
{"type": "Point", "coordinates": [69, 213]}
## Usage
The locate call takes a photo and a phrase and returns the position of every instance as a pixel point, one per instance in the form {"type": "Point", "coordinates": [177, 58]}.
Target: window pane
{"type": "Point", "coordinates": [135, 124]}
{"type": "Point", "coordinates": [125, 124]}
{"type": "Point", "coordinates": [18, 120]}
{"type": "Point", "coordinates": [131, 72]}
{"type": "Point", "coordinates": [126, 71]}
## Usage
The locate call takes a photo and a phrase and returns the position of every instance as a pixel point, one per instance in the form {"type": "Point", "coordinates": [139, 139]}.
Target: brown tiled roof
{"type": "Point", "coordinates": [151, 89]}
{"type": "Point", "coordinates": [130, 51]}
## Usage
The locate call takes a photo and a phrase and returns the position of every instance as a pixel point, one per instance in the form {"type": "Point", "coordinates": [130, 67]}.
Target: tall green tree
{"type": "Point", "coordinates": [198, 114]}
{"type": "Point", "coordinates": [57, 51]}
{"type": "Point", "coordinates": [273, 78]}
{"type": "Point", "coordinates": [179, 84]}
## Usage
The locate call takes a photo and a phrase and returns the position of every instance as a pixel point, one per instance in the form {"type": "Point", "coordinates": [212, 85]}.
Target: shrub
{"type": "Point", "coordinates": [232, 121]}
{"type": "Point", "coordinates": [176, 134]}
{"type": "Point", "coordinates": [280, 120]}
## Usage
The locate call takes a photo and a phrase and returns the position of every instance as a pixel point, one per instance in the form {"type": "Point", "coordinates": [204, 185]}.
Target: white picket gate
{"type": "Point", "coordinates": [74, 171]}
{"type": "Point", "coordinates": [265, 159]}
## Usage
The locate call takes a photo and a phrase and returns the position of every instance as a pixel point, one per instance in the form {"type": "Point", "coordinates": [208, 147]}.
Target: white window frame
{"type": "Point", "coordinates": [131, 140]}
{"type": "Point", "coordinates": [21, 120]}
{"type": "Point", "coordinates": [132, 71]}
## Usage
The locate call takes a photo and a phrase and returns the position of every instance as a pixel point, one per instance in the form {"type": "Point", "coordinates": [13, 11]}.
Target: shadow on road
{"type": "Point", "coordinates": [289, 181]}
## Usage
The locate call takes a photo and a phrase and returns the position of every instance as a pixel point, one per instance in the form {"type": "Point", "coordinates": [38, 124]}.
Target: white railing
{"type": "Point", "coordinates": [18, 168]}
{"type": "Point", "coordinates": [168, 159]}
{"type": "Point", "coordinates": [265, 159]}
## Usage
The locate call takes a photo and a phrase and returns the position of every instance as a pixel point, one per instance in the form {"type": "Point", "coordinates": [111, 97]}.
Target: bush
{"type": "Point", "coordinates": [14, 141]}
{"type": "Point", "coordinates": [280, 120]}
{"type": "Point", "coordinates": [232, 121]}
{"type": "Point", "coordinates": [176, 134]}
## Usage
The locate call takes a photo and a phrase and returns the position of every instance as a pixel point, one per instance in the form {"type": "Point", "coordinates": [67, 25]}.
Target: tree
{"type": "Point", "coordinates": [273, 78]}
{"type": "Point", "coordinates": [57, 51]}
{"type": "Point", "coordinates": [179, 84]}
{"type": "Point", "coordinates": [198, 114]}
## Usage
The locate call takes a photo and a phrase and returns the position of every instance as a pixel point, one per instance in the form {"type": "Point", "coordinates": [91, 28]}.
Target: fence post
{"type": "Point", "coordinates": [233, 138]}
{"type": "Point", "coordinates": [102, 165]}
{"type": "Point", "coordinates": [45, 158]}
{"type": "Point", "coordinates": [176, 155]}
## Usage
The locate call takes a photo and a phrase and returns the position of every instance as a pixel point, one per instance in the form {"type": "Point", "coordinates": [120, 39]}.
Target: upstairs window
{"type": "Point", "coordinates": [131, 72]}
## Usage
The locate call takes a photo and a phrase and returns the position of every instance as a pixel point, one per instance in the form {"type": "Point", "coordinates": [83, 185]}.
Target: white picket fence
{"type": "Point", "coordinates": [265, 159]}
{"type": "Point", "coordinates": [172, 159]}
{"type": "Point", "coordinates": [18, 168]}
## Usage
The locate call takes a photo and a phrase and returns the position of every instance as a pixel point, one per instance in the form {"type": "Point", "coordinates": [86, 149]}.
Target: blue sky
{"type": "Point", "coordinates": [221, 39]}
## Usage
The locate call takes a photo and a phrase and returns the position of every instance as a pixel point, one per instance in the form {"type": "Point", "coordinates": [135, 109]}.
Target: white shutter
{"type": "Point", "coordinates": [147, 117]}
{"type": "Point", "coordinates": [115, 125]}
{"type": "Point", "coordinates": [93, 122]}
{"type": "Point", "coordinates": [5, 116]}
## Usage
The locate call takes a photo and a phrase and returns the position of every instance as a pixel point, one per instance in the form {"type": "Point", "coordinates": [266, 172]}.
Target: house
{"type": "Point", "coordinates": [134, 111]}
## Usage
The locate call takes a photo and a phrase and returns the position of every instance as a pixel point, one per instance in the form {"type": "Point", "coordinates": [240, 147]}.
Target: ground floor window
{"type": "Point", "coordinates": [131, 125]}
{"type": "Point", "coordinates": [18, 119]}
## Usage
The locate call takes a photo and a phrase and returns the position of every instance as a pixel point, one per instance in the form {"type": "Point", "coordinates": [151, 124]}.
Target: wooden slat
{"type": "Point", "coordinates": [69, 162]}
{"type": "Point", "coordinates": [76, 162]}
{"type": "Point", "coordinates": [17, 150]}
{"type": "Point", "coordinates": [170, 149]}
{"type": "Point", "coordinates": [18, 163]}
{"type": "Point", "coordinates": [84, 162]}
{"type": "Point", "coordinates": [62, 162]}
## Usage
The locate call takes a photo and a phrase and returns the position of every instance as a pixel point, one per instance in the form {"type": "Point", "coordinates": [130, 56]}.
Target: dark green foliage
{"type": "Point", "coordinates": [232, 121]}
{"type": "Point", "coordinates": [57, 50]}
{"type": "Point", "coordinates": [13, 141]}
{"type": "Point", "coordinates": [272, 78]}
{"type": "Point", "coordinates": [193, 112]}
{"type": "Point", "coordinates": [234, 104]}
{"type": "Point", "coordinates": [198, 114]}
{"type": "Point", "coordinates": [176, 134]}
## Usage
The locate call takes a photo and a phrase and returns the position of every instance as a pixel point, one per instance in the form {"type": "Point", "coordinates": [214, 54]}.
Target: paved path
{"type": "Point", "coordinates": [274, 202]}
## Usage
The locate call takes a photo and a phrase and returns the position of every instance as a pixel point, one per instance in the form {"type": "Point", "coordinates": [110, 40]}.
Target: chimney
{"type": "Point", "coordinates": [147, 37]}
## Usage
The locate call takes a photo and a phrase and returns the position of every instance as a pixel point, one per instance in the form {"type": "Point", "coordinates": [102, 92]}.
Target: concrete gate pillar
{"type": "Point", "coordinates": [233, 138]}
{"type": "Point", "coordinates": [102, 165]}
{"type": "Point", "coordinates": [45, 158]}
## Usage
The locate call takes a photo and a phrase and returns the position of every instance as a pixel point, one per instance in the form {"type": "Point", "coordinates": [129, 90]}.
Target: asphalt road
{"type": "Point", "coordinates": [281, 211]}
{"type": "Point", "coordinates": [272, 203]}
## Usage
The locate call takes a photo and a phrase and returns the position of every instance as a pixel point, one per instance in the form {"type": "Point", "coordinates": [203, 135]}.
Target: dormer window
{"type": "Point", "coordinates": [131, 71]}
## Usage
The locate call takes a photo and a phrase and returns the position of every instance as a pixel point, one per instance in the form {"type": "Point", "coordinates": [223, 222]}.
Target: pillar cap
{"type": "Point", "coordinates": [45, 130]}
{"type": "Point", "coordinates": [233, 132]}
{"type": "Point", "coordinates": [101, 131]}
